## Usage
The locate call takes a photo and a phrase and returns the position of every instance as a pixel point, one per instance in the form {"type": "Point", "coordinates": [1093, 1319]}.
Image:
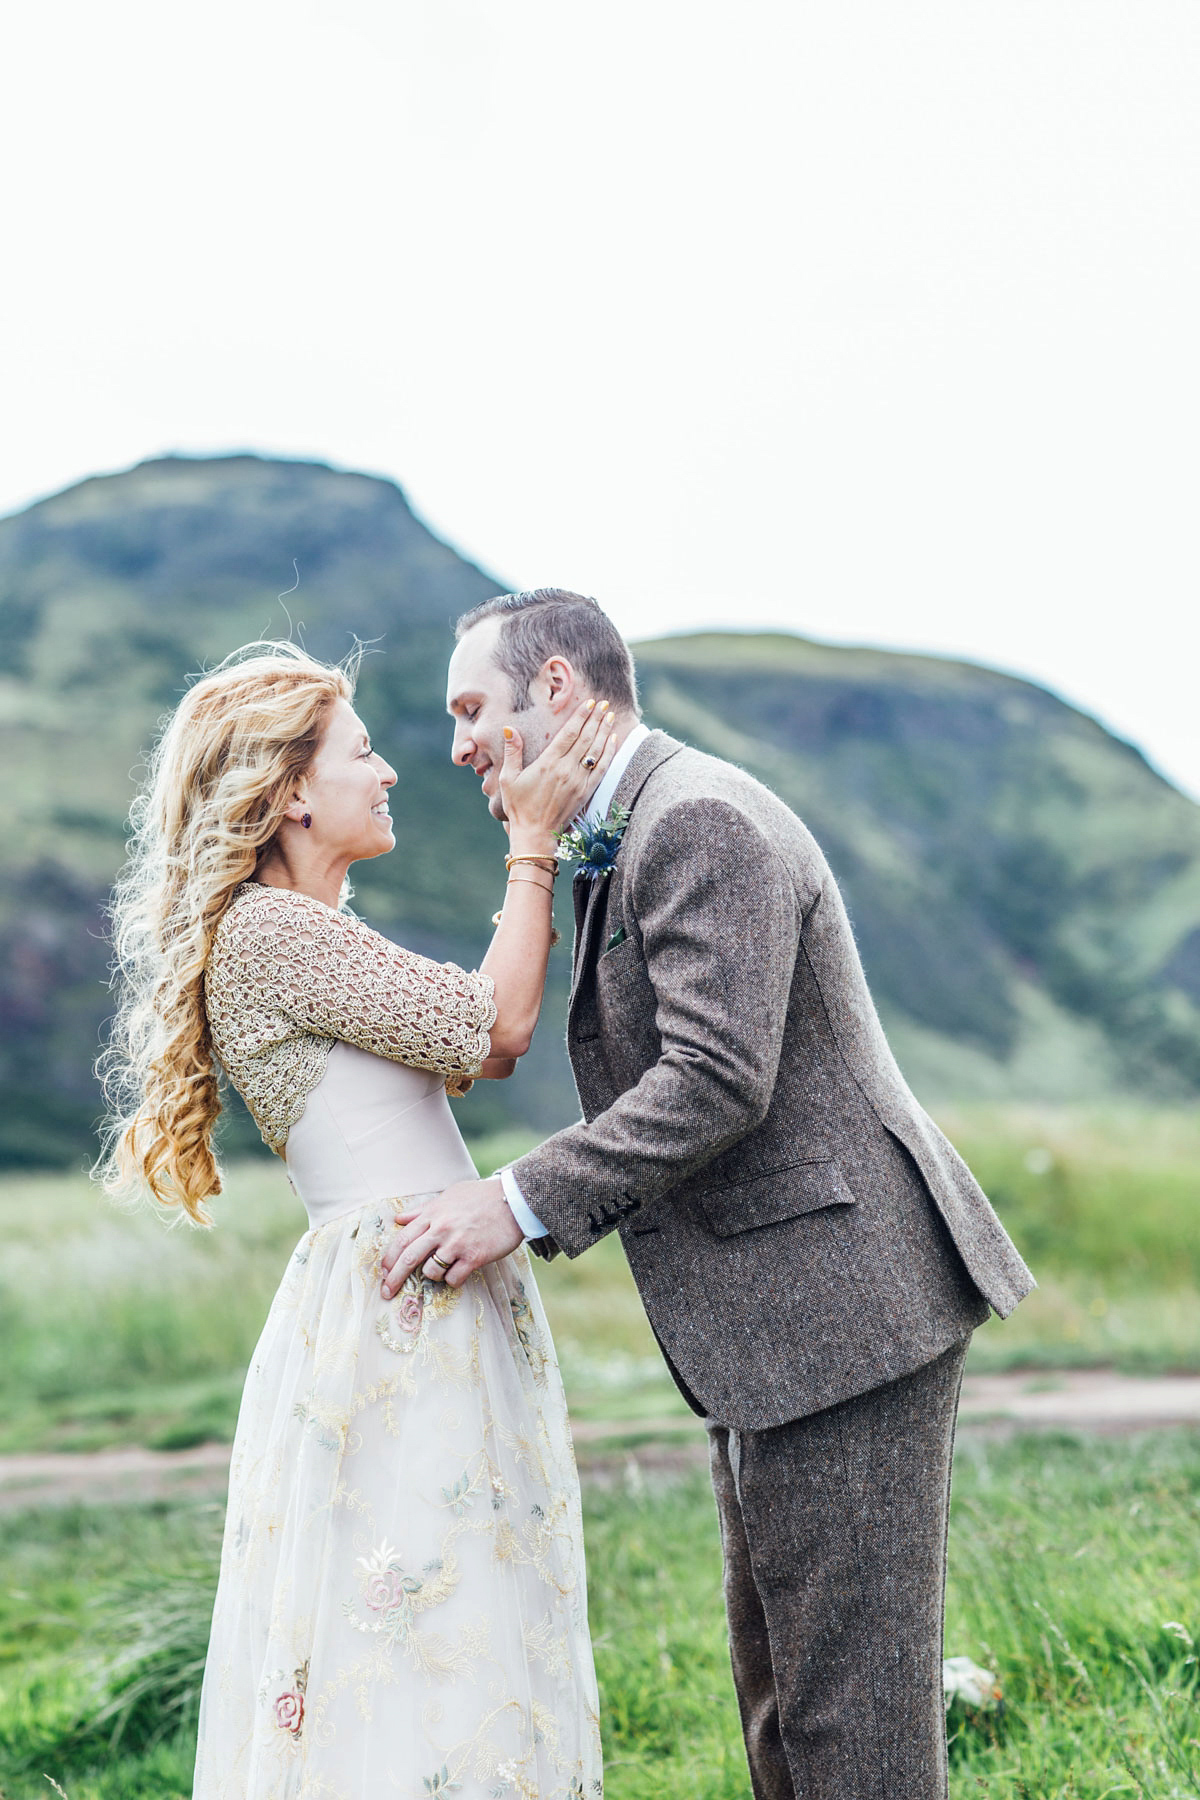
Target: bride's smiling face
{"type": "Point", "coordinates": [346, 793]}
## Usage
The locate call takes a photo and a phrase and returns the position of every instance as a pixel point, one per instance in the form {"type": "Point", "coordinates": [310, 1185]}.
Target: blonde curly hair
{"type": "Point", "coordinates": [219, 781]}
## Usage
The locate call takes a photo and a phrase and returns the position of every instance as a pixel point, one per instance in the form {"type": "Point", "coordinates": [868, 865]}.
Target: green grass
{"type": "Point", "coordinates": [73, 1605]}
{"type": "Point", "coordinates": [1070, 1557]}
{"type": "Point", "coordinates": [115, 1330]}
{"type": "Point", "coordinates": [1073, 1576]}
{"type": "Point", "coordinates": [1105, 1206]}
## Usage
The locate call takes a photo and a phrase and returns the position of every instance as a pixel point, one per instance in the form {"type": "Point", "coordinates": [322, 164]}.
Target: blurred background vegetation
{"type": "Point", "coordinates": [1026, 893]}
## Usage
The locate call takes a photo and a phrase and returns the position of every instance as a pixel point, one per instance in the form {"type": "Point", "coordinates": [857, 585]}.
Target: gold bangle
{"type": "Point", "coordinates": [531, 877]}
{"type": "Point", "coordinates": [549, 863]}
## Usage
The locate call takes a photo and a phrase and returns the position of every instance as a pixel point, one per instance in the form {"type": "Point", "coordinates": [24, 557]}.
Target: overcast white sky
{"type": "Point", "coordinates": [874, 321]}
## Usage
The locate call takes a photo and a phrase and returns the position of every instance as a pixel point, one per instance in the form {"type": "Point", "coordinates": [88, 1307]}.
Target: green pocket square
{"type": "Point", "coordinates": [618, 937]}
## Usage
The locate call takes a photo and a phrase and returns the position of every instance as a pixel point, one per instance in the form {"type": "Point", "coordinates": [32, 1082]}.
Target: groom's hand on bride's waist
{"type": "Point", "coordinates": [447, 1238]}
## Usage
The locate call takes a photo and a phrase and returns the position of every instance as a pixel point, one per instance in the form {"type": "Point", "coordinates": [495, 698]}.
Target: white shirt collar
{"type": "Point", "coordinates": [597, 807]}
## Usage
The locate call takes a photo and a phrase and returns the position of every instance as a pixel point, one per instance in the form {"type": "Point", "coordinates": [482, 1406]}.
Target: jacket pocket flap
{"type": "Point", "coordinates": [619, 958]}
{"type": "Point", "coordinates": [775, 1195]}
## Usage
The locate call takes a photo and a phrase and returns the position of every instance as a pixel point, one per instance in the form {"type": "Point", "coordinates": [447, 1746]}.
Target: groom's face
{"type": "Point", "coordinates": [479, 698]}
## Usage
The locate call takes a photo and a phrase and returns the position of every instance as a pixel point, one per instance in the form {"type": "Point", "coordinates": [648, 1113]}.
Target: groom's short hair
{"type": "Point", "coordinates": [548, 622]}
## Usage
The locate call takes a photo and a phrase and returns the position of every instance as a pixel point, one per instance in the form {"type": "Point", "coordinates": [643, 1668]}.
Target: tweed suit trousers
{"type": "Point", "coordinates": [834, 1533]}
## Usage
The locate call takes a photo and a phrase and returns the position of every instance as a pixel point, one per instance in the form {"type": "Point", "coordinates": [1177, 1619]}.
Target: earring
{"type": "Point", "coordinates": [306, 821]}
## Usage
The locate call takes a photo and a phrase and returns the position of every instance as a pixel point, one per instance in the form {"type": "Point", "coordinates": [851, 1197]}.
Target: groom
{"type": "Point", "coordinates": [812, 1253]}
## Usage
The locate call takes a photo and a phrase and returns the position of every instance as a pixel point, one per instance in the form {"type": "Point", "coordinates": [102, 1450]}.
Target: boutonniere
{"type": "Point", "coordinates": [594, 847]}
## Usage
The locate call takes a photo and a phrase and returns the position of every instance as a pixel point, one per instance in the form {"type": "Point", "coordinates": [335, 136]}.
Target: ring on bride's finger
{"type": "Point", "coordinates": [589, 762]}
{"type": "Point", "coordinates": [441, 1262]}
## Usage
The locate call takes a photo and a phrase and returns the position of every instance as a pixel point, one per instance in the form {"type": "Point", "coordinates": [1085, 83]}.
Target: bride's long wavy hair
{"type": "Point", "coordinates": [218, 784]}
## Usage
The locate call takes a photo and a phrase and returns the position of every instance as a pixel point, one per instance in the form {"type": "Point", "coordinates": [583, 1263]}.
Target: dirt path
{"type": "Point", "coordinates": [1080, 1399]}
{"type": "Point", "coordinates": [47, 1478]}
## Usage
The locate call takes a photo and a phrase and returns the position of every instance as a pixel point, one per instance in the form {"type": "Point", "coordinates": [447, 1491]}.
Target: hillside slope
{"type": "Point", "coordinates": [1025, 889]}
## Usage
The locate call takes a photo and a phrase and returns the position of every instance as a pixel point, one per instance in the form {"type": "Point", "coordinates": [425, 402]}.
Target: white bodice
{"type": "Point", "coordinates": [373, 1130]}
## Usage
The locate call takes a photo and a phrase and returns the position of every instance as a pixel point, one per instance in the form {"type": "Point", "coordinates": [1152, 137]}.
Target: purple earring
{"type": "Point", "coordinates": [306, 821]}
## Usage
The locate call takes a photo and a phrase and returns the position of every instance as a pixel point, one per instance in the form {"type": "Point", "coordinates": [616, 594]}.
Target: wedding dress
{"type": "Point", "coordinates": [402, 1606]}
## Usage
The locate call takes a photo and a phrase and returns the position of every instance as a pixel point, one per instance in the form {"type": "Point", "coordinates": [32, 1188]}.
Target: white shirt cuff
{"type": "Point", "coordinates": [529, 1222]}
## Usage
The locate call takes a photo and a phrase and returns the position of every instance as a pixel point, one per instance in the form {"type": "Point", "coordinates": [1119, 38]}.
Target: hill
{"type": "Point", "coordinates": [1026, 890]}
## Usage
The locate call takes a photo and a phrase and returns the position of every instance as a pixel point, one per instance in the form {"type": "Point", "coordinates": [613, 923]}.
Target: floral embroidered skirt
{"type": "Point", "coordinates": [402, 1609]}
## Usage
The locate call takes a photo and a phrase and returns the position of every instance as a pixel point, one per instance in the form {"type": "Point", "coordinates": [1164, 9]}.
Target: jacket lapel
{"type": "Point", "coordinates": [580, 893]}
{"type": "Point", "coordinates": [589, 910]}
{"type": "Point", "coordinates": [590, 904]}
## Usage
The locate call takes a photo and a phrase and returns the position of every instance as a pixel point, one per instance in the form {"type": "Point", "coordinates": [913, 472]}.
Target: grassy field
{"type": "Point", "coordinates": [1073, 1576]}
{"type": "Point", "coordinates": [115, 1330]}
{"type": "Point", "coordinates": [1074, 1571]}
{"type": "Point", "coordinates": [1105, 1206]}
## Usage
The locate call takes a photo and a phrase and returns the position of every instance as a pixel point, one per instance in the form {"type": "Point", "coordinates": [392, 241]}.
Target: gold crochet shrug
{"type": "Point", "coordinates": [288, 976]}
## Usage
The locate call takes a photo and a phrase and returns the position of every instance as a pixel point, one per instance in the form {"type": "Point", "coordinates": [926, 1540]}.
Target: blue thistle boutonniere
{"type": "Point", "coordinates": [594, 847]}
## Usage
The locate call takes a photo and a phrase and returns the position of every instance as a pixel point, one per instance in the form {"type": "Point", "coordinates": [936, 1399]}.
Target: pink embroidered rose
{"type": "Point", "coordinates": [410, 1311]}
{"type": "Point", "coordinates": [289, 1712]}
{"type": "Point", "coordinates": [381, 1591]}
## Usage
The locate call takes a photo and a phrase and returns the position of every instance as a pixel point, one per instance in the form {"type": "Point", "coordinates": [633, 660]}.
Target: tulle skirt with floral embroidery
{"type": "Point", "coordinates": [402, 1608]}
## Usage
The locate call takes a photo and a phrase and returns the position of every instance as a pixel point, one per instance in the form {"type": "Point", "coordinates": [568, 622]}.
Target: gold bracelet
{"type": "Point", "coordinates": [549, 863]}
{"type": "Point", "coordinates": [532, 878]}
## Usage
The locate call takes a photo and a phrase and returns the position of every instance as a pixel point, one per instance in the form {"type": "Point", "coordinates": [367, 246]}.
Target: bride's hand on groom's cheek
{"type": "Point", "coordinates": [548, 791]}
{"type": "Point", "coordinates": [449, 1237]}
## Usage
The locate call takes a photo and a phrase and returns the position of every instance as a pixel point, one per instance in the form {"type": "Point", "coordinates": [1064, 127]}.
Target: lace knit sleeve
{"type": "Point", "coordinates": [331, 975]}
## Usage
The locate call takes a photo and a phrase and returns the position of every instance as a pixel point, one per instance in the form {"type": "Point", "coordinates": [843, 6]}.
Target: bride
{"type": "Point", "coordinates": [401, 1608]}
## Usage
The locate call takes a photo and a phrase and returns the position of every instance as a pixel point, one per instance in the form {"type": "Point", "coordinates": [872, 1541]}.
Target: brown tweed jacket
{"type": "Point", "coordinates": [799, 1229]}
